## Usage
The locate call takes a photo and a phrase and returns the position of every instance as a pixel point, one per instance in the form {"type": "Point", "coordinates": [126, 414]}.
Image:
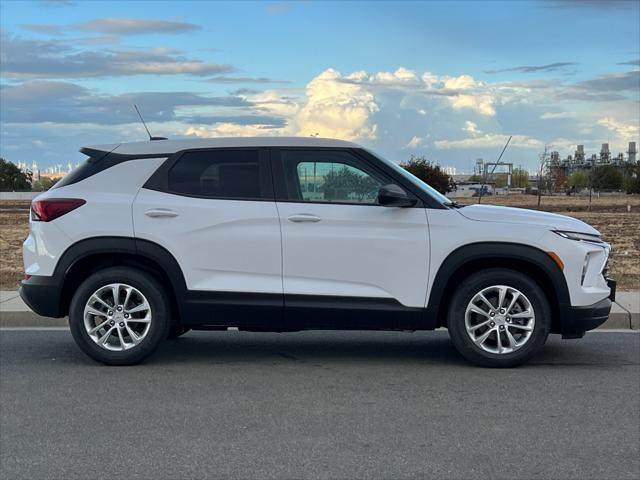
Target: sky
{"type": "Point", "coordinates": [447, 80]}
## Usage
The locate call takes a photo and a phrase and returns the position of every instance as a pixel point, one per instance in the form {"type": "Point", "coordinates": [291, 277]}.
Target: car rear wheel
{"type": "Point", "coordinates": [499, 318]}
{"type": "Point", "coordinates": [119, 316]}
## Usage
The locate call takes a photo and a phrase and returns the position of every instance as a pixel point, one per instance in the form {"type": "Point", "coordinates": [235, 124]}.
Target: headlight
{"type": "Point", "coordinates": [584, 237]}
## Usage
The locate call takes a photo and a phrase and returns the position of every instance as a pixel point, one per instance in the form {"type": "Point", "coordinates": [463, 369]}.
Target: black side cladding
{"type": "Point", "coordinates": [98, 161]}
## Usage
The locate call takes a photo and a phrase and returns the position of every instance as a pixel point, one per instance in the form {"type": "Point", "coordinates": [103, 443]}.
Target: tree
{"type": "Point", "coordinates": [475, 178]}
{"type": "Point", "coordinates": [579, 180]}
{"type": "Point", "coordinates": [632, 178]}
{"type": "Point", "coordinates": [45, 183]}
{"type": "Point", "coordinates": [12, 178]}
{"type": "Point", "coordinates": [339, 185]}
{"type": "Point", "coordinates": [561, 181]}
{"type": "Point", "coordinates": [500, 179]}
{"type": "Point", "coordinates": [429, 174]}
{"type": "Point", "coordinates": [519, 178]}
{"type": "Point", "coordinates": [607, 177]}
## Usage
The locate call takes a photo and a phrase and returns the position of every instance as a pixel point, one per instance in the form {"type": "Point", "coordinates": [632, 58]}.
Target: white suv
{"type": "Point", "coordinates": [147, 240]}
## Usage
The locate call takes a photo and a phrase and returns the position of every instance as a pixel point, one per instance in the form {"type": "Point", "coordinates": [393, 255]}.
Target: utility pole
{"type": "Point", "coordinates": [484, 176]}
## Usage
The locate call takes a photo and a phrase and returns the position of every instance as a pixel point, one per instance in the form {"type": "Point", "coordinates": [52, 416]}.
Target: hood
{"type": "Point", "coordinates": [492, 213]}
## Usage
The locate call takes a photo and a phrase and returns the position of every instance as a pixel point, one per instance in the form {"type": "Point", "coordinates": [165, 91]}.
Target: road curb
{"type": "Point", "coordinates": [617, 320]}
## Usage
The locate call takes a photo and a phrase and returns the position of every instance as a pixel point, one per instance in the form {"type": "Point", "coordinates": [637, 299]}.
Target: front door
{"type": "Point", "coordinates": [347, 261]}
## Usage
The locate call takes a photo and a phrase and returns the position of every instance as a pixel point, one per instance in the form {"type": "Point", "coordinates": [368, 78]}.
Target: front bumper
{"type": "Point", "coordinates": [582, 319]}
{"type": "Point", "coordinates": [42, 295]}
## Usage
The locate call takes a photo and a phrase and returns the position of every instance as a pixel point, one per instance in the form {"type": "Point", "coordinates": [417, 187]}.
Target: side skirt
{"type": "Point", "coordinates": [280, 313]}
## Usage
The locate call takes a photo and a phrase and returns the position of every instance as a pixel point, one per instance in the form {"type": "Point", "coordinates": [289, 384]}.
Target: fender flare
{"type": "Point", "coordinates": [146, 249]}
{"type": "Point", "coordinates": [466, 255]}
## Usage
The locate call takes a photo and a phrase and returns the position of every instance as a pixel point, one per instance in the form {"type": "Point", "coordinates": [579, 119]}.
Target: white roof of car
{"type": "Point", "coordinates": [170, 146]}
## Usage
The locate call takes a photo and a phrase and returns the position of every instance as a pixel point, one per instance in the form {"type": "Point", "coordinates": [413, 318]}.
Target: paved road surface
{"type": "Point", "coordinates": [318, 405]}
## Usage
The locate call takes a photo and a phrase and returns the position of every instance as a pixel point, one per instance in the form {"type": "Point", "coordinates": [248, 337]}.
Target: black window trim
{"type": "Point", "coordinates": [425, 200]}
{"type": "Point", "coordinates": [159, 180]}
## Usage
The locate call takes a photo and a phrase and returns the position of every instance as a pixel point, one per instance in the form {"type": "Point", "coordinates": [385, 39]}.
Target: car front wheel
{"type": "Point", "coordinates": [499, 318]}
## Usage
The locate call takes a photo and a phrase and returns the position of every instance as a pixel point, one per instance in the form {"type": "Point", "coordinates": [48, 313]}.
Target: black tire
{"type": "Point", "coordinates": [145, 284]}
{"type": "Point", "coordinates": [177, 330]}
{"type": "Point", "coordinates": [475, 283]}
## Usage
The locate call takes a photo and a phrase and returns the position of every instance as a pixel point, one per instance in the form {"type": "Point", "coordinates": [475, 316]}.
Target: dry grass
{"type": "Point", "coordinates": [610, 215]}
{"type": "Point", "coordinates": [14, 228]}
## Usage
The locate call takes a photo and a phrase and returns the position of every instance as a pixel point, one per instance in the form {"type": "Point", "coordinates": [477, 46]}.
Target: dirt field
{"type": "Point", "coordinates": [610, 215]}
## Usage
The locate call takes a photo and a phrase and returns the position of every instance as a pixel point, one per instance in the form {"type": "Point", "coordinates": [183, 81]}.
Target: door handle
{"type": "Point", "coordinates": [160, 212]}
{"type": "Point", "coordinates": [303, 217]}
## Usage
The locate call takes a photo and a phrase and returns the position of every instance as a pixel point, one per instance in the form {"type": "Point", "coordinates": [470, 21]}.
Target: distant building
{"type": "Point", "coordinates": [53, 173]}
{"type": "Point", "coordinates": [558, 167]}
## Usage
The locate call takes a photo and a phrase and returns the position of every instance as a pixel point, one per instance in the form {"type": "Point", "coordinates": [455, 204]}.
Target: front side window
{"type": "Point", "coordinates": [330, 177]}
{"type": "Point", "coordinates": [233, 174]}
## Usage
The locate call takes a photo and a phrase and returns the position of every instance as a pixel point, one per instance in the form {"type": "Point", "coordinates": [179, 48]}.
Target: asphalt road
{"type": "Point", "coordinates": [318, 405]}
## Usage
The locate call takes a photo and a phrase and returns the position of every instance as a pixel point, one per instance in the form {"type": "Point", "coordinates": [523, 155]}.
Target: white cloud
{"type": "Point", "coordinates": [402, 76]}
{"type": "Point", "coordinates": [471, 128]}
{"type": "Point", "coordinates": [489, 141]}
{"type": "Point", "coordinates": [415, 142]}
{"type": "Point", "coordinates": [557, 115]}
{"type": "Point", "coordinates": [331, 108]}
{"type": "Point", "coordinates": [336, 109]}
{"type": "Point", "coordinates": [483, 104]}
{"type": "Point", "coordinates": [387, 106]}
{"type": "Point", "coordinates": [463, 82]}
{"type": "Point", "coordinates": [625, 131]}
{"type": "Point", "coordinates": [233, 130]}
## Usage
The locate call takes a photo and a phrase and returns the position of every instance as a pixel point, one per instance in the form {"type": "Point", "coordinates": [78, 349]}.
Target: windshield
{"type": "Point", "coordinates": [415, 180]}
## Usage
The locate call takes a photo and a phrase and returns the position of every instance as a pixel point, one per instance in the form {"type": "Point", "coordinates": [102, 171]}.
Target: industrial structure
{"type": "Point", "coordinates": [558, 168]}
{"type": "Point", "coordinates": [55, 172]}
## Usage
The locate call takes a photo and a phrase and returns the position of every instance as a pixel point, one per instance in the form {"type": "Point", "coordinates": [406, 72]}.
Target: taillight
{"type": "Point", "coordinates": [50, 209]}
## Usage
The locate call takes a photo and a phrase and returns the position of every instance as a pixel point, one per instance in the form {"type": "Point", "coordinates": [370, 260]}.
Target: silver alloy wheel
{"type": "Point", "coordinates": [499, 319]}
{"type": "Point", "coordinates": [117, 317]}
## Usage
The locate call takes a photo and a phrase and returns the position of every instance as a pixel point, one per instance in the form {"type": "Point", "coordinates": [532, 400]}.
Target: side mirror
{"type": "Point", "coordinates": [393, 195]}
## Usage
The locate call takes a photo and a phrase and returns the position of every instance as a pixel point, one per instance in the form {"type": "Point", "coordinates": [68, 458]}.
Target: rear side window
{"type": "Point", "coordinates": [231, 174]}
{"type": "Point", "coordinates": [81, 172]}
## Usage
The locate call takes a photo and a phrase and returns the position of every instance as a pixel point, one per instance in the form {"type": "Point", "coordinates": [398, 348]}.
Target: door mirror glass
{"type": "Point", "coordinates": [392, 195]}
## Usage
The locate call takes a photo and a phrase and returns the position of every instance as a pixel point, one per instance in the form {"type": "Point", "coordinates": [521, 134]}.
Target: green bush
{"type": "Point", "coordinates": [607, 177]}
{"type": "Point", "coordinates": [632, 180]}
{"type": "Point", "coordinates": [579, 180]}
{"type": "Point", "coordinates": [12, 178]}
{"type": "Point", "coordinates": [429, 173]}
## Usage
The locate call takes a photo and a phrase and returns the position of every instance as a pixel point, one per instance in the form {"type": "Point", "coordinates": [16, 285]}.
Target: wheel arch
{"type": "Point", "coordinates": [475, 257]}
{"type": "Point", "coordinates": [90, 255]}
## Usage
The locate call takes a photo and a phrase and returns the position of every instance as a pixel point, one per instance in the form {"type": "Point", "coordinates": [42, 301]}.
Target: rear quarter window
{"type": "Point", "coordinates": [234, 174]}
{"type": "Point", "coordinates": [82, 171]}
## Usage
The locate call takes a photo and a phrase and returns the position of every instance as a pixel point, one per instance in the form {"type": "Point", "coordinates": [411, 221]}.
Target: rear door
{"type": "Point", "coordinates": [348, 262]}
{"type": "Point", "coordinates": [214, 211]}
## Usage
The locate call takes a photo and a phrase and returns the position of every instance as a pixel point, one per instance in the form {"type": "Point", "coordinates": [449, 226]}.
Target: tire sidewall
{"type": "Point", "coordinates": [474, 284]}
{"type": "Point", "coordinates": [154, 294]}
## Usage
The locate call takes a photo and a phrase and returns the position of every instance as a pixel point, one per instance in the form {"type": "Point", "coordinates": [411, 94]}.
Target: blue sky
{"type": "Point", "coordinates": [449, 80]}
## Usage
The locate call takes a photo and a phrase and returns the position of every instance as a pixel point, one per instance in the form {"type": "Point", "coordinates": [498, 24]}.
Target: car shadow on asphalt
{"type": "Point", "coordinates": [309, 347]}
{"type": "Point", "coordinates": [326, 347]}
